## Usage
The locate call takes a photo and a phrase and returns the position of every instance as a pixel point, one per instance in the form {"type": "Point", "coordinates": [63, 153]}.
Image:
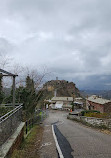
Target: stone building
{"type": "Point", "coordinates": [79, 103]}
{"type": "Point", "coordinates": [97, 103]}
{"type": "Point", "coordinates": [62, 102]}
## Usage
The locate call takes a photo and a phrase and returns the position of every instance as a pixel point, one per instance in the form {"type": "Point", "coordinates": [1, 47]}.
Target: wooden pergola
{"type": "Point", "coordinates": [8, 74]}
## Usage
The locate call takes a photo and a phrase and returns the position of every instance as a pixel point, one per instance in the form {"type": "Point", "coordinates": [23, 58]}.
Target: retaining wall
{"type": "Point", "coordinates": [92, 120]}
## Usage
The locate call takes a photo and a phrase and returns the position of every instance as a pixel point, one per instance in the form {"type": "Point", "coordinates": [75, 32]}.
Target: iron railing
{"type": "Point", "coordinates": [9, 122]}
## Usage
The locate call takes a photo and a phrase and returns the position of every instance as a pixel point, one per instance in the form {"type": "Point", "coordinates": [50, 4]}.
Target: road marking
{"type": "Point", "coordinates": [46, 144]}
{"type": "Point", "coordinates": [60, 123]}
{"type": "Point", "coordinates": [57, 145]}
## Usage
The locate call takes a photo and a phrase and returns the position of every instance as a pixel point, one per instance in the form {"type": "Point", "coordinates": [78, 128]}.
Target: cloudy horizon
{"type": "Point", "coordinates": [71, 38]}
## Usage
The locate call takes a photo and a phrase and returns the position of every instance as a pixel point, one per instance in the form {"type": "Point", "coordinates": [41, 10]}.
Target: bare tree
{"type": "Point", "coordinates": [5, 60]}
{"type": "Point", "coordinates": [39, 77]}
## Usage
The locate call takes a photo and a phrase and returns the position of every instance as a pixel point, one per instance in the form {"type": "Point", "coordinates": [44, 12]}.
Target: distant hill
{"type": "Point", "coordinates": [106, 94]}
{"type": "Point", "coordinates": [63, 89]}
{"type": "Point", "coordinates": [103, 93]}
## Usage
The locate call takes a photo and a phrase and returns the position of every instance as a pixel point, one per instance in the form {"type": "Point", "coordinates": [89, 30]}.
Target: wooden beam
{"type": "Point", "coordinates": [8, 73]}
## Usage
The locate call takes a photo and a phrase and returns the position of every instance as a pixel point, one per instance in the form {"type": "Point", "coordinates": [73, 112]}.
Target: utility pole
{"type": "Point", "coordinates": [13, 91]}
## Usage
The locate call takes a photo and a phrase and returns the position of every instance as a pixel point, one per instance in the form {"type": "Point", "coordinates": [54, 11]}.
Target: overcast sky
{"type": "Point", "coordinates": [72, 38]}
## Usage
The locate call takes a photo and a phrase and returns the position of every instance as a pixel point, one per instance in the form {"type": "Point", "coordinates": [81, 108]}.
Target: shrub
{"type": "Point", "coordinates": [89, 111]}
{"type": "Point", "coordinates": [97, 115]}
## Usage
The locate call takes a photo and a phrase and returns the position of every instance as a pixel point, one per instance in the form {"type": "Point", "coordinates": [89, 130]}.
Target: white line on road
{"type": "Point", "coordinates": [60, 123]}
{"type": "Point", "coordinates": [57, 145]}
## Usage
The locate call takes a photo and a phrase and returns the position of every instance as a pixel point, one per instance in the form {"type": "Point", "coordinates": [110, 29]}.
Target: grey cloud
{"type": "Point", "coordinates": [5, 46]}
{"type": "Point", "coordinates": [73, 38]}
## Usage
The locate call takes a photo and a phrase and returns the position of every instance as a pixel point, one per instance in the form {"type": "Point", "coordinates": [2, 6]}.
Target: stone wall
{"type": "Point", "coordinates": [92, 120]}
{"type": "Point", "coordinates": [17, 142]}
{"type": "Point", "coordinates": [13, 142]}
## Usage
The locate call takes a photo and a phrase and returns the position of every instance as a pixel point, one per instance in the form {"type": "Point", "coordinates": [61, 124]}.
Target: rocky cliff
{"type": "Point", "coordinates": [63, 89]}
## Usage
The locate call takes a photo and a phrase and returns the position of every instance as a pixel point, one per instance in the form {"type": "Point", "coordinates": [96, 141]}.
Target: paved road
{"type": "Point", "coordinates": [84, 142]}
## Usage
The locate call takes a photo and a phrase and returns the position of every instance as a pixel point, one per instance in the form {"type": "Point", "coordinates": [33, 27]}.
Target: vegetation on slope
{"type": "Point", "coordinates": [30, 146]}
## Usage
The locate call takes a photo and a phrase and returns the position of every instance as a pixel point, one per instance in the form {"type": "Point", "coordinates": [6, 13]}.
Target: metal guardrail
{"type": "Point", "coordinates": [9, 122]}
{"type": "Point", "coordinates": [10, 105]}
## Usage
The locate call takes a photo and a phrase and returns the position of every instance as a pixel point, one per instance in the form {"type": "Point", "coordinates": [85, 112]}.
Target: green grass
{"type": "Point", "coordinates": [28, 145]}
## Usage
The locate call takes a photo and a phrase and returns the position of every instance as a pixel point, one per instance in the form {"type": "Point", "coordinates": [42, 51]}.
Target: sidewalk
{"type": "Point", "coordinates": [48, 147]}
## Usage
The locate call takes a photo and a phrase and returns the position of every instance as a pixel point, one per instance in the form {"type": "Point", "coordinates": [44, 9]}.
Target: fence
{"type": "Point", "coordinates": [37, 118]}
{"type": "Point", "coordinates": [97, 122]}
{"type": "Point", "coordinates": [9, 122]}
{"type": "Point", "coordinates": [5, 108]}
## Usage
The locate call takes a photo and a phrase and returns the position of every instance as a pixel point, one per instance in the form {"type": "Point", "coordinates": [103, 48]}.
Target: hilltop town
{"type": "Point", "coordinates": [58, 88]}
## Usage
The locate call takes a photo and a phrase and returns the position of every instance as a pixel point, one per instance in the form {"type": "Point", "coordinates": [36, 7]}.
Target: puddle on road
{"type": "Point", "coordinates": [55, 123]}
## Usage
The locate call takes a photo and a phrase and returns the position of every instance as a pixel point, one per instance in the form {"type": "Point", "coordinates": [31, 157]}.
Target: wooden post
{"type": "Point", "coordinates": [13, 91]}
{"type": "Point", "coordinates": [26, 126]}
{"type": "Point", "coordinates": [5, 73]}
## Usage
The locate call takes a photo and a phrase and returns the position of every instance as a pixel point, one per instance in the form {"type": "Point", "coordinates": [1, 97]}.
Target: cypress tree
{"type": "Point", "coordinates": [28, 82]}
{"type": "Point", "coordinates": [1, 90]}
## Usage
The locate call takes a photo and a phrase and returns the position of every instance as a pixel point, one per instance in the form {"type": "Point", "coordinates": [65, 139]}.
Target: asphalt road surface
{"type": "Point", "coordinates": [79, 141]}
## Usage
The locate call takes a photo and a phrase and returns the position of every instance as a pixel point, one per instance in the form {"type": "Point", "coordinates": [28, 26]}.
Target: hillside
{"type": "Point", "coordinates": [63, 89]}
{"type": "Point", "coordinates": [103, 93]}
